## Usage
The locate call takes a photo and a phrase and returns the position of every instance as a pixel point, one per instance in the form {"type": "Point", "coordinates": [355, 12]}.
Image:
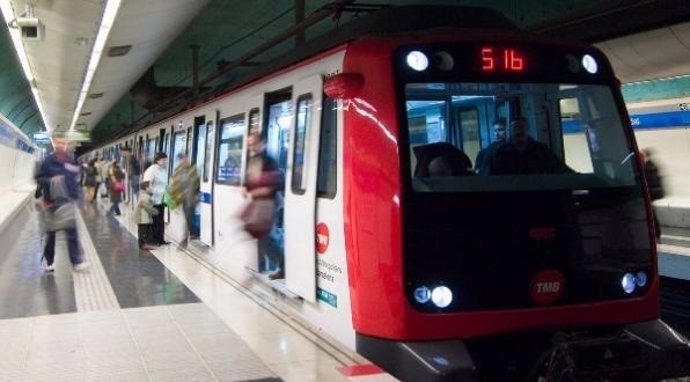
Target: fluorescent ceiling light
{"type": "Point", "coordinates": [111, 8]}
{"type": "Point", "coordinates": [15, 34]}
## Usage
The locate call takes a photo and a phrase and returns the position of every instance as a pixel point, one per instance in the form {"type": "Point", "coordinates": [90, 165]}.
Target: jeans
{"type": "Point", "coordinates": [72, 246]}
{"type": "Point", "coordinates": [115, 208]}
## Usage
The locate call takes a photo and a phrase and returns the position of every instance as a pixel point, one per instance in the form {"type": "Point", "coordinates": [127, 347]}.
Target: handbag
{"type": "Point", "coordinates": [169, 201]}
{"type": "Point", "coordinates": [258, 217]}
{"type": "Point", "coordinates": [119, 186]}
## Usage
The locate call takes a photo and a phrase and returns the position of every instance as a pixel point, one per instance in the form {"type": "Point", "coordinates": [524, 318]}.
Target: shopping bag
{"type": "Point", "coordinates": [169, 201]}
{"type": "Point", "coordinates": [258, 217]}
{"type": "Point", "coordinates": [103, 190]}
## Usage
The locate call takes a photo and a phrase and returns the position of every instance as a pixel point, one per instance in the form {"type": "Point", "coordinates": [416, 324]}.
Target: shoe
{"type": "Point", "coordinates": [46, 267]}
{"type": "Point", "coordinates": [81, 267]}
{"type": "Point", "coordinates": [164, 243]}
{"type": "Point", "coordinates": [148, 247]}
{"type": "Point", "coordinates": [277, 275]}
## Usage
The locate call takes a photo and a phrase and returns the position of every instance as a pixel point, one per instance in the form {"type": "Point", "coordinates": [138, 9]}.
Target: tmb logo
{"type": "Point", "coordinates": [546, 286]}
{"type": "Point", "coordinates": [322, 238]}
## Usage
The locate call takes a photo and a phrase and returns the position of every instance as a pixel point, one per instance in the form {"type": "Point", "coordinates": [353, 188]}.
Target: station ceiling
{"type": "Point", "coordinates": [644, 39]}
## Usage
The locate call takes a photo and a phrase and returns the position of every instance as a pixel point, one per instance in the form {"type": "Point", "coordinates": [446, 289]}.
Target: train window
{"type": "Point", "coordinates": [179, 144]}
{"type": "Point", "coordinates": [328, 149]}
{"type": "Point", "coordinates": [229, 150]}
{"type": "Point", "coordinates": [254, 121]}
{"type": "Point", "coordinates": [558, 136]}
{"type": "Point", "coordinates": [469, 126]}
{"type": "Point", "coordinates": [299, 177]}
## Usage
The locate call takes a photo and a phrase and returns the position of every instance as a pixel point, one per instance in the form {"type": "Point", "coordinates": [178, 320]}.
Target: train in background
{"type": "Point", "coordinates": [528, 272]}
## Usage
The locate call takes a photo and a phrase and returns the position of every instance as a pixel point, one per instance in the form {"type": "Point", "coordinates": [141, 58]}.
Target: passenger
{"type": "Point", "coordinates": [523, 155]}
{"type": "Point", "coordinates": [90, 181]}
{"type": "Point", "coordinates": [116, 179]}
{"type": "Point", "coordinates": [654, 183]}
{"type": "Point", "coordinates": [133, 170]}
{"type": "Point", "coordinates": [441, 159]}
{"type": "Point", "coordinates": [143, 215]}
{"type": "Point", "coordinates": [157, 176]}
{"type": "Point", "coordinates": [262, 181]}
{"type": "Point", "coordinates": [58, 179]}
{"type": "Point", "coordinates": [481, 164]}
{"type": "Point", "coordinates": [103, 167]}
{"type": "Point", "coordinates": [184, 190]}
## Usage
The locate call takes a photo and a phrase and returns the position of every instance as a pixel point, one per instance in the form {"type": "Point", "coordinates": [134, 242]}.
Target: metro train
{"type": "Point", "coordinates": [529, 272]}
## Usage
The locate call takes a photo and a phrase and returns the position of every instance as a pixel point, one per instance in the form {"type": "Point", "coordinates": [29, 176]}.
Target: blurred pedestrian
{"type": "Point", "coordinates": [262, 181]}
{"type": "Point", "coordinates": [157, 176]}
{"type": "Point", "coordinates": [90, 180]}
{"type": "Point", "coordinates": [654, 183]}
{"type": "Point", "coordinates": [117, 187]}
{"type": "Point", "coordinates": [184, 190]}
{"type": "Point", "coordinates": [58, 179]}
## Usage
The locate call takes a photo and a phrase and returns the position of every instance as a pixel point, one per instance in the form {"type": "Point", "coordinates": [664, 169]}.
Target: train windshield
{"type": "Point", "coordinates": [499, 136]}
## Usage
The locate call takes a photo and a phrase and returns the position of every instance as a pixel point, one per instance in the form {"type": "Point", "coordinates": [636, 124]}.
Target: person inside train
{"type": "Point", "coordinates": [441, 159]}
{"type": "Point", "coordinates": [521, 154]}
{"type": "Point", "coordinates": [483, 159]}
{"type": "Point", "coordinates": [263, 179]}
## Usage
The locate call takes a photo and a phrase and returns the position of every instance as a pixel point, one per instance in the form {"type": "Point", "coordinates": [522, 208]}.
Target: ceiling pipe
{"type": "Point", "coordinates": [314, 18]}
{"type": "Point", "coordinates": [299, 17]}
{"type": "Point", "coordinates": [195, 69]}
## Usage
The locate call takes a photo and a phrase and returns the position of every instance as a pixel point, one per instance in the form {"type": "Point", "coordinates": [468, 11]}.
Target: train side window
{"type": "Point", "coordinates": [326, 181]}
{"type": "Point", "coordinates": [299, 177]}
{"type": "Point", "coordinates": [229, 149]}
{"type": "Point", "coordinates": [254, 121]}
{"type": "Point", "coordinates": [469, 126]}
{"type": "Point", "coordinates": [576, 145]}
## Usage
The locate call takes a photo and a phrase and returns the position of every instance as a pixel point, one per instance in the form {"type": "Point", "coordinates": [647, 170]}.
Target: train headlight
{"type": "Point", "coordinates": [417, 61]}
{"type": "Point", "coordinates": [641, 279]}
{"type": "Point", "coordinates": [422, 294]}
{"type": "Point", "coordinates": [590, 64]}
{"type": "Point", "coordinates": [628, 283]}
{"type": "Point", "coordinates": [441, 296]}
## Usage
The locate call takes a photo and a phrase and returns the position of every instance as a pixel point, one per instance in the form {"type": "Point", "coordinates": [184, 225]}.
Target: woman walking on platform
{"type": "Point", "coordinates": [117, 186]}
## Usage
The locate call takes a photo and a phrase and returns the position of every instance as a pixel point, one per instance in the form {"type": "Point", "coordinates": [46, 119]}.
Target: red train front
{"type": "Point", "coordinates": [480, 255]}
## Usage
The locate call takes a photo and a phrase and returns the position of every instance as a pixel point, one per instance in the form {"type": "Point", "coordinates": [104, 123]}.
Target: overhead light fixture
{"type": "Point", "coordinates": [15, 34]}
{"type": "Point", "coordinates": [111, 9]}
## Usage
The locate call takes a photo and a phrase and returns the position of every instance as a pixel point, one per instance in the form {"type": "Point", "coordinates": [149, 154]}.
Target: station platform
{"type": "Point", "coordinates": [173, 314]}
{"type": "Point", "coordinates": [168, 314]}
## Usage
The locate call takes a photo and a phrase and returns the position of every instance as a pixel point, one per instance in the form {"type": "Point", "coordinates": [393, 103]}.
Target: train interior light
{"type": "Point", "coordinates": [417, 61]}
{"type": "Point", "coordinates": [590, 64]}
{"type": "Point", "coordinates": [442, 296]}
{"type": "Point", "coordinates": [628, 283]}
{"type": "Point", "coordinates": [343, 85]}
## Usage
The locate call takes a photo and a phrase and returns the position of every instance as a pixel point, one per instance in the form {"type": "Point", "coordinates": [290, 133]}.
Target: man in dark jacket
{"type": "Point", "coordinates": [58, 179]}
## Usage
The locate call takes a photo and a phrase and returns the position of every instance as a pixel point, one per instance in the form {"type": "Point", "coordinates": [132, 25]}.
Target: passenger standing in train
{"type": "Point", "coordinates": [184, 190]}
{"type": "Point", "coordinates": [481, 164]}
{"type": "Point", "coordinates": [262, 181]}
{"type": "Point", "coordinates": [157, 176]}
{"type": "Point", "coordinates": [58, 179]}
{"type": "Point", "coordinates": [90, 180]}
{"type": "Point", "coordinates": [654, 183]}
{"type": "Point", "coordinates": [524, 155]}
{"type": "Point", "coordinates": [116, 179]}
{"type": "Point", "coordinates": [143, 215]}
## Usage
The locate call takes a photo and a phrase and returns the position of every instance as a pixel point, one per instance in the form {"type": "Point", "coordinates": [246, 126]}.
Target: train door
{"type": "Point", "coordinates": [205, 144]}
{"type": "Point", "coordinates": [300, 190]}
{"type": "Point", "coordinates": [196, 155]}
